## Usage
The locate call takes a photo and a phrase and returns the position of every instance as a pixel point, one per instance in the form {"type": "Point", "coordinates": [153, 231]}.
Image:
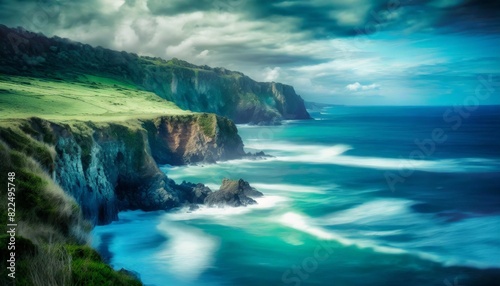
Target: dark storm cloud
{"type": "Point", "coordinates": [472, 16]}
{"type": "Point", "coordinates": [320, 19]}
{"type": "Point", "coordinates": [308, 43]}
{"type": "Point", "coordinates": [325, 19]}
{"type": "Point", "coordinates": [174, 7]}
{"type": "Point", "coordinates": [49, 16]}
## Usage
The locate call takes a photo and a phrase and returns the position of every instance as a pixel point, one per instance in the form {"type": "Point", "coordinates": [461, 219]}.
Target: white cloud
{"type": "Point", "coordinates": [272, 74]}
{"type": "Point", "coordinates": [203, 54]}
{"type": "Point", "coordinates": [357, 86]}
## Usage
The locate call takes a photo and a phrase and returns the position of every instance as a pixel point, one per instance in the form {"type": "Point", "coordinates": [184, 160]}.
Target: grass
{"type": "Point", "coordinates": [51, 234]}
{"type": "Point", "coordinates": [207, 124]}
{"type": "Point", "coordinates": [86, 98]}
{"type": "Point", "coordinates": [87, 268]}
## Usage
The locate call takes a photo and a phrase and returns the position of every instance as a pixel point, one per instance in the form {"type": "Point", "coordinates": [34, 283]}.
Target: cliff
{"type": "Point", "coordinates": [191, 87]}
{"type": "Point", "coordinates": [48, 234]}
{"type": "Point", "coordinates": [108, 167]}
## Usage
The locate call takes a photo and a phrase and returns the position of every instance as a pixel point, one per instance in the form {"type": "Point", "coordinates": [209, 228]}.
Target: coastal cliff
{"type": "Point", "coordinates": [108, 167]}
{"type": "Point", "coordinates": [191, 87]}
{"type": "Point", "coordinates": [220, 91]}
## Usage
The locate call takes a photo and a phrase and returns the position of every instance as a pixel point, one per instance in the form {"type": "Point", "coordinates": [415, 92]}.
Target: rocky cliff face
{"type": "Point", "coordinates": [108, 167]}
{"type": "Point", "coordinates": [197, 88]}
{"type": "Point", "coordinates": [223, 92]}
{"type": "Point", "coordinates": [185, 139]}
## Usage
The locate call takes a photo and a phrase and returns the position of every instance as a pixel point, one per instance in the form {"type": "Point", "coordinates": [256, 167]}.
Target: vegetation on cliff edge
{"type": "Point", "coordinates": [51, 233]}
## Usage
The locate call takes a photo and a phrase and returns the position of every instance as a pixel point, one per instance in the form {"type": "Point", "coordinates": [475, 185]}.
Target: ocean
{"type": "Point", "coordinates": [357, 196]}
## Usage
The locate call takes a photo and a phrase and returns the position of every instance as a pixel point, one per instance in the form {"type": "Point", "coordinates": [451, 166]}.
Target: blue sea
{"type": "Point", "coordinates": [357, 196]}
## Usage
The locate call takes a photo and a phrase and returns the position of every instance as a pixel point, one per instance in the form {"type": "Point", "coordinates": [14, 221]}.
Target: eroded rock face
{"type": "Point", "coordinates": [108, 167]}
{"type": "Point", "coordinates": [178, 140]}
{"type": "Point", "coordinates": [233, 193]}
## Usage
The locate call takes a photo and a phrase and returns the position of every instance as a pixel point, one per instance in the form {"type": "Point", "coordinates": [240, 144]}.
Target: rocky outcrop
{"type": "Point", "coordinates": [197, 88]}
{"type": "Point", "coordinates": [179, 140]}
{"type": "Point", "coordinates": [194, 193]}
{"type": "Point", "coordinates": [233, 193]}
{"type": "Point", "coordinates": [108, 167]}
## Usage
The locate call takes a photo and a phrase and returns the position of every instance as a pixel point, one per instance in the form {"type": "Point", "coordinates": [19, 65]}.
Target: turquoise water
{"type": "Point", "coordinates": [358, 196]}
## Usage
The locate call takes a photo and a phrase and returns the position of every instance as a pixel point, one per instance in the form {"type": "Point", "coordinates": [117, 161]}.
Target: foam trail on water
{"type": "Point", "coordinates": [306, 224]}
{"type": "Point", "coordinates": [335, 155]}
{"type": "Point", "coordinates": [188, 252]}
{"type": "Point", "coordinates": [287, 147]}
{"type": "Point", "coordinates": [226, 214]}
{"type": "Point", "coordinates": [290, 188]}
{"type": "Point", "coordinates": [374, 212]}
{"type": "Point", "coordinates": [396, 217]}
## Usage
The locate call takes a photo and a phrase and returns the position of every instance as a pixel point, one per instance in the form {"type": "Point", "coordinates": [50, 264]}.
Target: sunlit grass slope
{"type": "Point", "coordinates": [83, 97]}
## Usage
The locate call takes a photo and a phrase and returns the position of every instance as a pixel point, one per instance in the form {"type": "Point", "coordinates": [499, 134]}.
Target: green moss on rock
{"type": "Point", "coordinates": [207, 123]}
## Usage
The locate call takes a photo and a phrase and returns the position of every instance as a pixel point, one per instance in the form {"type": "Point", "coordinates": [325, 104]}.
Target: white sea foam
{"type": "Point", "coordinates": [310, 149]}
{"type": "Point", "coordinates": [335, 155]}
{"type": "Point", "coordinates": [482, 251]}
{"type": "Point", "coordinates": [291, 188]}
{"type": "Point", "coordinates": [307, 225]}
{"type": "Point", "coordinates": [188, 252]}
{"type": "Point", "coordinates": [396, 218]}
{"type": "Point", "coordinates": [374, 212]}
{"type": "Point", "coordinates": [226, 213]}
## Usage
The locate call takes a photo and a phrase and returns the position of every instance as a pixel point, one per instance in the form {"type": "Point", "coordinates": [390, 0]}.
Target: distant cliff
{"type": "Point", "coordinates": [197, 88]}
{"type": "Point", "coordinates": [108, 167]}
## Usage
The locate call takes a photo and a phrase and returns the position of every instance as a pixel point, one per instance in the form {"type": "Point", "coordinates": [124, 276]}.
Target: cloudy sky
{"type": "Point", "coordinates": [391, 52]}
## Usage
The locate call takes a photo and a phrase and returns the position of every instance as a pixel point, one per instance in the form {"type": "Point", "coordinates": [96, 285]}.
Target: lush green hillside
{"type": "Point", "coordinates": [82, 98]}
{"type": "Point", "coordinates": [191, 87]}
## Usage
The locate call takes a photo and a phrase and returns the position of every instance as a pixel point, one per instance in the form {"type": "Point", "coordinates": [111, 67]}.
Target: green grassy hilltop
{"type": "Point", "coordinates": [51, 246]}
{"type": "Point", "coordinates": [84, 97]}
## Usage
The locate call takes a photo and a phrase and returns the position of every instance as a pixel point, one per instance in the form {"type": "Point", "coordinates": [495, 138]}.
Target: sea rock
{"type": "Point", "coordinates": [233, 193]}
{"type": "Point", "coordinates": [194, 193]}
{"type": "Point", "coordinates": [257, 155]}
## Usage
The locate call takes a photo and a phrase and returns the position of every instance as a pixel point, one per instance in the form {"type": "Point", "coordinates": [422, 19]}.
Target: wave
{"type": "Point", "coordinates": [335, 155]}
{"type": "Point", "coordinates": [441, 166]}
{"type": "Point", "coordinates": [477, 253]}
{"type": "Point", "coordinates": [374, 212]}
{"type": "Point", "coordinates": [312, 149]}
{"type": "Point", "coordinates": [383, 221]}
{"type": "Point", "coordinates": [289, 188]}
{"type": "Point", "coordinates": [188, 252]}
{"type": "Point", "coordinates": [307, 225]}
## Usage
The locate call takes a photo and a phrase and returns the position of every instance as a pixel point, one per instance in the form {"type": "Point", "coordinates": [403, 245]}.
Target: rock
{"type": "Point", "coordinates": [194, 193]}
{"type": "Point", "coordinates": [191, 139]}
{"type": "Point", "coordinates": [257, 155]}
{"type": "Point", "coordinates": [233, 193]}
